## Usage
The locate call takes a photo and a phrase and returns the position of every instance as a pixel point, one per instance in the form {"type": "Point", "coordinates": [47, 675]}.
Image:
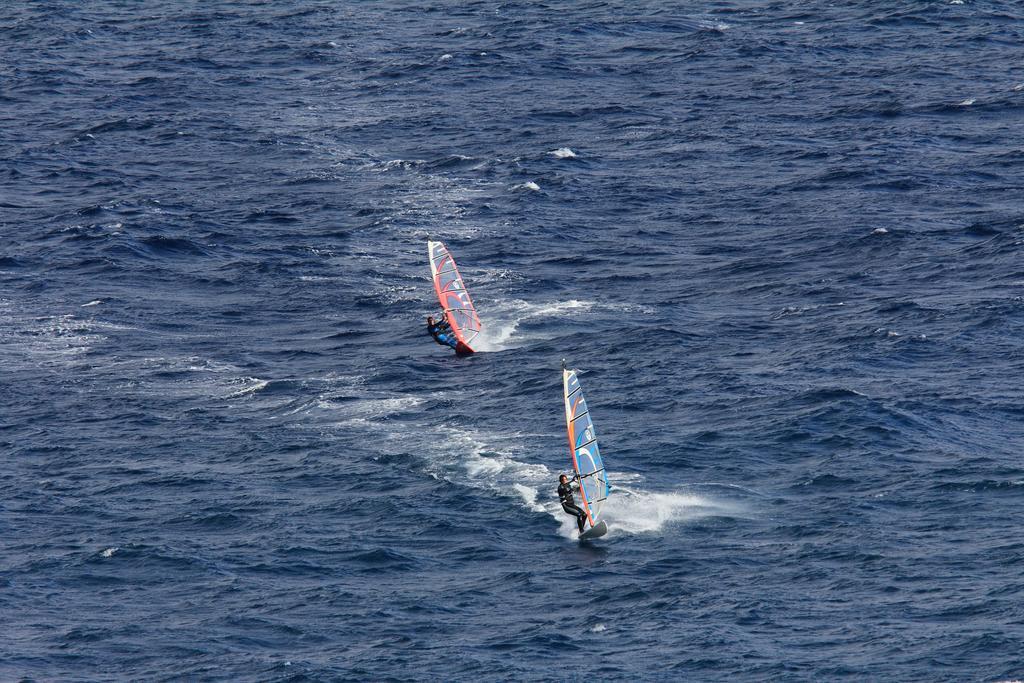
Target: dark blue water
{"type": "Point", "coordinates": [782, 241]}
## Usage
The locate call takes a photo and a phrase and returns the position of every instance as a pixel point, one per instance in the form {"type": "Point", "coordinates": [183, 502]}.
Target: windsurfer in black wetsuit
{"type": "Point", "coordinates": [568, 502]}
{"type": "Point", "coordinates": [441, 331]}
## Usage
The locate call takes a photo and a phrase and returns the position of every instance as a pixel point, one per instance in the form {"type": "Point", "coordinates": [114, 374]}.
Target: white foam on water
{"type": "Point", "coordinates": [391, 164]}
{"type": "Point", "coordinates": [322, 278]}
{"type": "Point", "coordinates": [489, 465]}
{"type": "Point", "coordinates": [501, 275]}
{"type": "Point", "coordinates": [503, 318]}
{"type": "Point", "coordinates": [634, 511]}
{"type": "Point", "coordinates": [384, 407]}
{"type": "Point", "coordinates": [529, 185]}
{"type": "Point", "coordinates": [357, 411]}
{"type": "Point", "coordinates": [493, 338]}
{"type": "Point", "coordinates": [48, 340]}
{"type": "Point", "coordinates": [529, 495]}
{"type": "Point", "coordinates": [503, 464]}
{"type": "Point", "coordinates": [563, 153]}
{"type": "Point", "coordinates": [192, 377]}
{"type": "Point", "coordinates": [465, 457]}
{"type": "Point", "coordinates": [97, 302]}
{"type": "Point", "coordinates": [109, 552]}
{"type": "Point", "coordinates": [966, 103]}
{"type": "Point", "coordinates": [255, 384]}
{"type": "Point", "coordinates": [197, 364]}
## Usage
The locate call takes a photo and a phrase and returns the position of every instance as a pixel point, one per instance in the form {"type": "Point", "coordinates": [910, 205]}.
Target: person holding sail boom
{"type": "Point", "coordinates": [441, 331]}
{"type": "Point", "coordinates": [565, 497]}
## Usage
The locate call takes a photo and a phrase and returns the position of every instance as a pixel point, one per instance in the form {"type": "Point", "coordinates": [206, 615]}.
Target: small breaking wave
{"type": "Point", "coordinates": [529, 185]}
{"type": "Point", "coordinates": [563, 153]}
{"type": "Point", "coordinates": [254, 386]}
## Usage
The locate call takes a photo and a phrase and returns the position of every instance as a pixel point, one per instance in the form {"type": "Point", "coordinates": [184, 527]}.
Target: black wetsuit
{"type": "Point", "coordinates": [569, 504]}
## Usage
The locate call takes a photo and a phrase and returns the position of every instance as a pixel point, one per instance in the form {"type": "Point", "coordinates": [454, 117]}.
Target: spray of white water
{"type": "Point", "coordinates": [499, 463]}
{"type": "Point", "coordinates": [503, 319]}
{"type": "Point", "coordinates": [465, 457]}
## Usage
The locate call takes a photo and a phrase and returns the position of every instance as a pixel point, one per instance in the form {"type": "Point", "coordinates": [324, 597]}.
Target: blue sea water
{"type": "Point", "coordinates": [782, 242]}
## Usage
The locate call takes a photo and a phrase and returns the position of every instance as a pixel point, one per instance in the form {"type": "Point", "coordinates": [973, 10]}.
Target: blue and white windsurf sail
{"type": "Point", "coordinates": [586, 456]}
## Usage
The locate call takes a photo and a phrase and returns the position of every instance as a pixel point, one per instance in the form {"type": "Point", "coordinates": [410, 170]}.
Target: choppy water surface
{"type": "Point", "coordinates": [782, 241]}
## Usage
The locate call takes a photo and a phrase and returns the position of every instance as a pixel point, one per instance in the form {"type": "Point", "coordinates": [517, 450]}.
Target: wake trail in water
{"type": "Point", "coordinates": [466, 458]}
{"type": "Point", "coordinates": [504, 318]}
{"type": "Point", "coordinates": [494, 462]}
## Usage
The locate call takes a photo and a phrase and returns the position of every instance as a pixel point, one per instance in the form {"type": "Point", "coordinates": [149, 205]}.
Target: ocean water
{"type": "Point", "coordinates": [782, 242]}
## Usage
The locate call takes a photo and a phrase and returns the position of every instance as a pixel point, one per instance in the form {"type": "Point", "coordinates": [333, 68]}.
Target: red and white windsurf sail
{"type": "Point", "coordinates": [451, 292]}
